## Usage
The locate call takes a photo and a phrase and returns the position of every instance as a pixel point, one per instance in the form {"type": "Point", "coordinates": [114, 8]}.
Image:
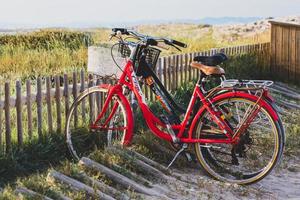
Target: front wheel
{"type": "Point", "coordinates": [85, 133]}
{"type": "Point", "coordinates": [257, 152]}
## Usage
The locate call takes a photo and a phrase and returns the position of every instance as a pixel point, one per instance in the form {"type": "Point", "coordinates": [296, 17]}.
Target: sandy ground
{"type": "Point", "coordinates": [192, 184]}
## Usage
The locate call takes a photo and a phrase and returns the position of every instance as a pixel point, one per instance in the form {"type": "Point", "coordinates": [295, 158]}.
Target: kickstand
{"type": "Point", "coordinates": [184, 146]}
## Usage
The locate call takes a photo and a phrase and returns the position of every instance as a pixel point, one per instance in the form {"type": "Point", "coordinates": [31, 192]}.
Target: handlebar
{"type": "Point", "coordinates": [154, 41]}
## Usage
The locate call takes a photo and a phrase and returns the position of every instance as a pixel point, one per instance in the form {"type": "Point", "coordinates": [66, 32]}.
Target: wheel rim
{"type": "Point", "coordinates": [82, 137]}
{"type": "Point", "coordinates": [254, 162]}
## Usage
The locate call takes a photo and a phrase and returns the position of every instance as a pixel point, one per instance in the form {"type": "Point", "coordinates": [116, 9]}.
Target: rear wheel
{"type": "Point", "coordinates": [257, 152]}
{"type": "Point", "coordinates": [84, 134]}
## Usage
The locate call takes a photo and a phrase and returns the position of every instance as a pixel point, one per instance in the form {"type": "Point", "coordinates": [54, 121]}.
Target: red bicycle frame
{"type": "Point", "coordinates": [129, 79]}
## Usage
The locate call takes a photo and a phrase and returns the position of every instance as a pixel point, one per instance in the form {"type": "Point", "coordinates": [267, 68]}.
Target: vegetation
{"type": "Point", "coordinates": [55, 51]}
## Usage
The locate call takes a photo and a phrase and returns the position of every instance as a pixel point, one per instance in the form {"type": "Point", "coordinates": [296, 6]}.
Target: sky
{"type": "Point", "coordinates": [14, 13]}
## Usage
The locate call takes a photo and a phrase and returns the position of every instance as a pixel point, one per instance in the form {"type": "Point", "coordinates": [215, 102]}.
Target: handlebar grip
{"type": "Point", "coordinates": [179, 43]}
{"type": "Point", "coordinates": [122, 30]}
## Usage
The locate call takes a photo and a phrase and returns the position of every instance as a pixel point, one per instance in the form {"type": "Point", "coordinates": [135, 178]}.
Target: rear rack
{"type": "Point", "coordinates": [246, 83]}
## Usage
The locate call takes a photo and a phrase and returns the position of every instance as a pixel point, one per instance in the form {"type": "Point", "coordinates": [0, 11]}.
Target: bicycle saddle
{"type": "Point", "coordinates": [209, 64]}
{"type": "Point", "coordinates": [211, 60]}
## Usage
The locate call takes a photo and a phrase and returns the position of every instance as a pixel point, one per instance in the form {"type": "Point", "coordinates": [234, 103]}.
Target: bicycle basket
{"type": "Point", "coordinates": [124, 50]}
{"type": "Point", "coordinates": [152, 55]}
{"type": "Point", "coordinates": [100, 61]}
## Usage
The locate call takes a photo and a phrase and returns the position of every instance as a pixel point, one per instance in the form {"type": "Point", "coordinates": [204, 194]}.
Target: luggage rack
{"type": "Point", "coordinates": [246, 83]}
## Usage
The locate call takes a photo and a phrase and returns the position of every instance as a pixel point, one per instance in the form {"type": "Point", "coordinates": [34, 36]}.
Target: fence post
{"type": "Point", "coordinates": [66, 95]}
{"type": "Point", "coordinates": [169, 73]}
{"type": "Point", "coordinates": [186, 67]}
{"type": "Point", "coordinates": [75, 96]}
{"type": "Point", "coordinates": [91, 99]}
{"type": "Point", "coordinates": [19, 113]}
{"type": "Point", "coordinates": [190, 69]}
{"type": "Point", "coordinates": [176, 60]}
{"type": "Point", "coordinates": [165, 71]}
{"type": "Point", "coordinates": [39, 106]}
{"type": "Point", "coordinates": [57, 98]}
{"type": "Point", "coordinates": [82, 82]}
{"type": "Point", "coordinates": [7, 117]}
{"type": "Point", "coordinates": [29, 112]}
{"type": "Point", "coordinates": [49, 107]}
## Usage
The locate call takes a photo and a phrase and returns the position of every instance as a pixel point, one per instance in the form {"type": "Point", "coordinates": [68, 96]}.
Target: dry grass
{"type": "Point", "coordinates": [57, 51]}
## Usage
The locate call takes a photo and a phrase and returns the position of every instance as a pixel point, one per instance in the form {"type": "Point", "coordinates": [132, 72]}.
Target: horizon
{"type": "Point", "coordinates": [62, 13]}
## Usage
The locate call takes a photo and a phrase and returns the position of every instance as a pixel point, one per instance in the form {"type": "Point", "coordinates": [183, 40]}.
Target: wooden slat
{"type": "Point", "coordinates": [58, 104]}
{"type": "Point", "coordinates": [181, 69]}
{"type": "Point", "coordinates": [49, 106]}
{"type": "Point", "coordinates": [190, 69]}
{"type": "Point", "coordinates": [29, 112]}
{"type": "Point", "coordinates": [91, 100]}
{"type": "Point", "coordinates": [165, 72]}
{"type": "Point", "coordinates": [160, 69]}
{"type": "Point", "coordinates": [7, 118]}
{"type": "Point", "coordinates": [82, 87]}
{"type": "Point", "coordinates": [173, 72]}
{"type": "Point", "coordinates": [19, 113]}
{"type": "Point", "coordinates": [297, 68]}
{"type": "Point", "coordinates": [98, 98]}
{"type": "Point", "coordinates": [75, 93]}
{"type": "Point", "coordinates": [186, 66]}
{"type": "Point", "coordinates": [66, 95]}
{"type": "Point", "coordinates": [169, 75]}
{"type": "Point", "coordinates": [285, 53]}
{"type": "Point", "coordinates": [39, 106]}
{"type": "Point", "coordinates": [176, 69]}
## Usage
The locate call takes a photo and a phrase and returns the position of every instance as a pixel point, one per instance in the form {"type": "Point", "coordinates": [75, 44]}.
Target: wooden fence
{"type": "Point", "coordinates": [285, 51]}
{"type": "Point", "coordinates": [40, 107]}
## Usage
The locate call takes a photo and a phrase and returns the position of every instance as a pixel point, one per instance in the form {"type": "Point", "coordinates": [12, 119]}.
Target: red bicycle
{"type": "Point", "coordinates": [235, 129]}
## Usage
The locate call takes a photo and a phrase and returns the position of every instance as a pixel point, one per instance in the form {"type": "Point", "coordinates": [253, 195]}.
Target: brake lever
{"type": "Point", "coordinates": [175, 47]}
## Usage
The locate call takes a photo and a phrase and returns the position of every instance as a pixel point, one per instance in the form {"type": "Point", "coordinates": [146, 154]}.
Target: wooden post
{"type": "Point", "coordinates": [98, 97]}
{"type": "Point", "coordinates": [19, 113]}
{"type": "Point", "coordinates": [57, 98]}
{"type": "Point", "coordinates": [102, 186]}
{"type": "Point", "coordinates": [165, 72]}
{"type": "Point", "coordinates": [186, 66]}
{"type": "Point", "coordinates": [49, 107]}
{"type": "Point", "coordinates": [29, 112]}
{"type": "Point", "coordinates": [7, 117]}
{"type": "Point", "coordinates": [159, 69]}
{"type": "Point", "coordinates": [82, 83]}
{"type": "Point", "coordinates": [190, 69]}
{"type": "Point", "coordinates": [39, 106]}
{"type": "Point", "coordinates": [30, 194]}
{"type": "Point", "coordinates": [176, 61]}
{"type": "Point", "coordinates": [119, 178]}
{"type": "Point", "coordinates": [91, 100]}
{"type": "Point", "coordinates": [169, 70]}
{"type": "Point", "coordinates": [74, 97]}
{"type": "Point", "coordinates": [66, 95]}
{"type": "Point", "coordinates": [57, 176]}
{"type": "Point", "coordinates": [181, 69]}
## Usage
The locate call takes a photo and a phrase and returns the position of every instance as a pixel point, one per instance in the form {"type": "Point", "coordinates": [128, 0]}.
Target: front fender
{"type": "Point", "coordinates": [116, 90]}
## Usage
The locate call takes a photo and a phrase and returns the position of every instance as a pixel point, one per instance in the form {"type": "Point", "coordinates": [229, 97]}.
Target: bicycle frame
{"type": "Point", "coordinates": [129, 79]}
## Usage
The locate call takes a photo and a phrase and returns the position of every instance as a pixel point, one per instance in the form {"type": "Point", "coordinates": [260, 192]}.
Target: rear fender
{"type": "Point", "coordinates": [236, 94]}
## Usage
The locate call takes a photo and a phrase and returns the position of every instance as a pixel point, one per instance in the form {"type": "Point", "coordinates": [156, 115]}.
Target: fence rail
{"type": "Point", "coordinates": [40, 107]}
